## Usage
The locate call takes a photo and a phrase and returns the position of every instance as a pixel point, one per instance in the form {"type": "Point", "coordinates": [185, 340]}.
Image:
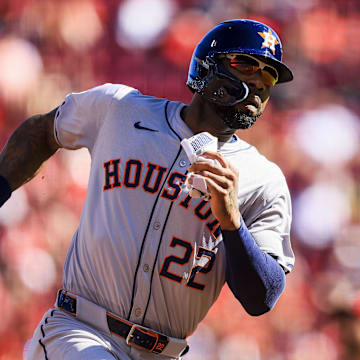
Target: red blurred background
{"type": "Point", "coordinates": [311, 129]}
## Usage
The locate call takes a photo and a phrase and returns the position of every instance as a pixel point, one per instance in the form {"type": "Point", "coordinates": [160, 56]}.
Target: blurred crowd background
{"type": "Point", "coordinates": [311, 129]}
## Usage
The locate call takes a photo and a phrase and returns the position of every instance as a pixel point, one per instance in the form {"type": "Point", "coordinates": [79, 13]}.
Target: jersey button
{"type": "Point", "coordinates": [146, 267]}
{"type": "Point", "coordinates": [138, 312]}
{"type": "Point", "coordinates": [156, 225]}
{"type": "Point", "coordinates": [182, 163]}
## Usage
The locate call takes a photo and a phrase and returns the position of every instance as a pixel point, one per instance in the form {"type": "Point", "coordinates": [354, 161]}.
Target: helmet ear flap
{"type": "Point", "coordinates": [198, 83]}
{"type": "Point", "coordinates": [216, 84]}
{"type": "Point", "coordinates": [202, 71]}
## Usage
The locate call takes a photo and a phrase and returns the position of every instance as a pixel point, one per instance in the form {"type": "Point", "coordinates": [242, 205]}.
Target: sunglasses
{"type": "Point", "coordinates": [248, 65]}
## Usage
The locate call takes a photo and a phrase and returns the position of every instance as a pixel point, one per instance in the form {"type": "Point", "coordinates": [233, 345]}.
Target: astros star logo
{"type": "Point", "coordinates": [269, 40]}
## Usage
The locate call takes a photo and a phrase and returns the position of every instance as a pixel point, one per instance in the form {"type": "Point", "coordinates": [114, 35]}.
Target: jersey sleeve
{"type": "Point", "coordinates": [270, 224]}
{"type": "Point", "coordinates": [79, 118]}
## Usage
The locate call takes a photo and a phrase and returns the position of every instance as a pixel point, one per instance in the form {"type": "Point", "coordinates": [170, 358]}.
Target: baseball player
{"type": "Point", "coordinates": [153, 248]}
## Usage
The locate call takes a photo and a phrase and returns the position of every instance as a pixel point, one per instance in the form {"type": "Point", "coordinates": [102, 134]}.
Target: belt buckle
{"type": "Point", "coordinates": [155, 345]}
{"type": "Point", "coordinates": [130, 334]}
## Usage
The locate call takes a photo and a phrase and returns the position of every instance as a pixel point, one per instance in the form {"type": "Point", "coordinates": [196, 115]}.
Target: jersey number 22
{"type": "Point", "coordinates": [201, 252]}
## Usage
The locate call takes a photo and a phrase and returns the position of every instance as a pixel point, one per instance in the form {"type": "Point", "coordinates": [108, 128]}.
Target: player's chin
{"type": "Point", "coordinates": [239, 117]}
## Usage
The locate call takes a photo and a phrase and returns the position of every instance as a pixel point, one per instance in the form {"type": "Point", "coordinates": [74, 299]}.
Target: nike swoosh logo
{"type": "Point", "coordinates": [138, 126]}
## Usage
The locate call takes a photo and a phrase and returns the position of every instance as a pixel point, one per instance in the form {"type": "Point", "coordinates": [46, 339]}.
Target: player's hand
{"type": "Point", "coordinates": [222, 181]}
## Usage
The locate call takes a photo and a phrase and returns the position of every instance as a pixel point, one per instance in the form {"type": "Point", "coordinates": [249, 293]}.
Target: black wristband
{"type": "Point", "coordinates": [5, 190]}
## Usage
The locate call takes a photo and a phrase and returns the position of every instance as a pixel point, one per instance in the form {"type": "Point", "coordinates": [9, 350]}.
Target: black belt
{"type": "Point", "coordinates": [135, 335]}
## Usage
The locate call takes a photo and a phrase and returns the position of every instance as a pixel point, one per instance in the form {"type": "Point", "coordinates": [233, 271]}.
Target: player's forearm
{"type": "Point", "coordinates": [254, 277]}
{"type": "Point", "coordinates": [26, 150]}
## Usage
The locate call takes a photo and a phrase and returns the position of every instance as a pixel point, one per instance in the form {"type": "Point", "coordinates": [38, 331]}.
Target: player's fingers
{"type": "Point", "coordinates": [204, 165]}
{"type": "Point", "coordinates": [207, 165]}
{"type": "Point", "coordinates": [213, 168]}
{"type": "Point", "coordinates": [216, 156]}
{"type": "Point", "coordinates": [220, 159]}
{"type": "Point", "coordinates": [224, 162]}
{"type": "Point", "coordinates": [213, 186]}
{"type": "Point", "coordinates": [224, 182]}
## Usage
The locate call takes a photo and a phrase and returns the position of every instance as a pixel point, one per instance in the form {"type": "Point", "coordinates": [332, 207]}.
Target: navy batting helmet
{"type": "Point", "coordinates": [236, 36]}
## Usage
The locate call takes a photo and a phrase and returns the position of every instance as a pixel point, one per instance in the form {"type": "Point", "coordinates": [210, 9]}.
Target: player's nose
{"type": "Point", "coordinates": [256, 82]}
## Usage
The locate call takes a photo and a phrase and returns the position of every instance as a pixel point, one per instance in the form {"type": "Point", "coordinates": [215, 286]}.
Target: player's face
{"type": "Point", "coordinates": [259, 78]}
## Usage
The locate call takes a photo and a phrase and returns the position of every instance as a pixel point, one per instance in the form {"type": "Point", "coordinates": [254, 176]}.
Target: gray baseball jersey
{"type": "Point", "coordinates": [145, 249]}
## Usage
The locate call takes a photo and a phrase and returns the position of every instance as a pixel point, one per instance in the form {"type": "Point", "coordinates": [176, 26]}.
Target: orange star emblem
{"type": "Point", "coordinates": [269, 40]}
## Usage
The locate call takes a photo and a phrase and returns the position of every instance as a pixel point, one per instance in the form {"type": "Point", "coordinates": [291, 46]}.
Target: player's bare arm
{"type": "Point", "coordinates": [222, 181]}
{"type": "Point", "coordinates": [31, 144]}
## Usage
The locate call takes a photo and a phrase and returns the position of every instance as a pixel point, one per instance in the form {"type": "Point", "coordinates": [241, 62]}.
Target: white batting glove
{"type": "Point", "coordinates": [194, 147]}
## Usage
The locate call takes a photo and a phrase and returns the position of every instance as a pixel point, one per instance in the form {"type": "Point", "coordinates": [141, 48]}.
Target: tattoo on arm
{"type": "Point", "coordinates": [31, 144]}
